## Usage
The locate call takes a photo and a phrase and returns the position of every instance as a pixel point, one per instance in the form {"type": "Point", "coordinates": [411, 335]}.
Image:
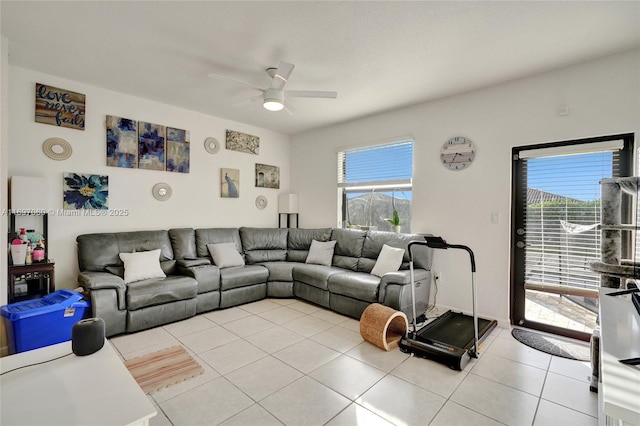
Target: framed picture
{"type": "Point", "coordinates": [267, 176]}
{"type": "Point", "coordinates": [229, 183]}
{"type": "Point", "coordinates": [151, 149]}
{"type": "Point", "coordinates": [59, 107]}
{"type": "Point", "coordinates": [177, 150]}
{"type": "Point", "coordinates": [242, 142]}
{"type": "Point", "coordinates": [85, 191]}
{"type": "Point", "coordinates": [122, 142]}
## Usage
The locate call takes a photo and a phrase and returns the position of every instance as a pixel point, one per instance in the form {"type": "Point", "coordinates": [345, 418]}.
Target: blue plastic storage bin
{"type": "Point", "coordinates": [42, 322]}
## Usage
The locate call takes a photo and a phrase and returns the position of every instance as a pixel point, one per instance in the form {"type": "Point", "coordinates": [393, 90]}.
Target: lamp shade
{"type": "Point", "coordinates": [288, 203]}
{"type": "Point", "coordinates": [29, 194]}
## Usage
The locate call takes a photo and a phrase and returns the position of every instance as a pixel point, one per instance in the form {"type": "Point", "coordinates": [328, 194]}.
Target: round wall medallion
{"type": "Point", "coordinates": [57, 149]}
{"type": "Point", "coordinates": [161, 191]}
{"type": "Point", "coordinates": [261, 202]}
{"type": "Point", "coordinates": [211, 145]}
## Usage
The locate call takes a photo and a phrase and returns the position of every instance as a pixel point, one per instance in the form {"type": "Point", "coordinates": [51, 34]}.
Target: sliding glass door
{"type": "Point", "coordinates": [556, 234]}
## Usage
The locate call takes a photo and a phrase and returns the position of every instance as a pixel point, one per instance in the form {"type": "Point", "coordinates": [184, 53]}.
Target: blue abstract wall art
{"type": "Point", "coordinates": [151, 147]}
{"type": "Point", "coordinates": [177, 150]}
{"type": "Point", "coordinates": [122, 142]}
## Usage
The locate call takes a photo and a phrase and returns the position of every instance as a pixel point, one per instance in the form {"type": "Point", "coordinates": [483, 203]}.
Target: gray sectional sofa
{"type": "Point", "coordinates": [274, 266]}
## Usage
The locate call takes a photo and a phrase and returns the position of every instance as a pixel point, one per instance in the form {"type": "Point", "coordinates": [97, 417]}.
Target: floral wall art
{"type": "Point", "coordinates": [85, 191]}
{"type": "Point", "coordinates": [242, 142]}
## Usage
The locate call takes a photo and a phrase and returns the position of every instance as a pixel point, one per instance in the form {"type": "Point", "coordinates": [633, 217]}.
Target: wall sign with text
{"type": "Point", "coordinates": [59, 107]}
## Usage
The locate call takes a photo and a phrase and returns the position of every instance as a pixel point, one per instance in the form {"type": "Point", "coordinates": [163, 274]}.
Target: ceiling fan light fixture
{"type": "Point", "coordinates": [273, 100]}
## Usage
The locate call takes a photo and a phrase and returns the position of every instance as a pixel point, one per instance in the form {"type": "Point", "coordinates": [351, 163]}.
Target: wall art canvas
{"type": "Point", "coordinates": [151, 149]}
{"type": "Point", "coordinates": [85, 191]}
{"type": "Point", "coordinates": [177, 150]}
{"type": "Point", "coordinates": [59, 107]}
{"type": "Point", "coordinates": [242, 142]}
{"type": "Point", "coordinates": [230, 183]}
{"type": "Point", "coordinates": [267, 176]}
{"type": "Point", "coordinates": [122, 142]}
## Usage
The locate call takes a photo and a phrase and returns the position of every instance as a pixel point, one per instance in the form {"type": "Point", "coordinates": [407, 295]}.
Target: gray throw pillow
{"type": "Point", "coordinates": [321, 253]}
{"type": "Point", "coordinates": [225, 255]}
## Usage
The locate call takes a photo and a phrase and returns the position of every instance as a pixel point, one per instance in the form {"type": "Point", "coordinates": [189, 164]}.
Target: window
{"type": "Point", "coordinates": [374, 180]}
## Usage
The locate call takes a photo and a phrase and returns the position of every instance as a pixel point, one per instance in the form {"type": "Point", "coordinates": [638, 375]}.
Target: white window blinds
{"type": "Point", "coordinates": [561, 215]}
{"type": "Point", "coordinates": [389, 165]}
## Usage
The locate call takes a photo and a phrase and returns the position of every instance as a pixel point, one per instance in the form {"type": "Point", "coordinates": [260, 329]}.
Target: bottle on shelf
{"type": "Point", "coordinates": [38, 252]}
{"type": "Point", "coordinates": [29, 258]}
{"type": "Point", "coordinates": [23, 236]}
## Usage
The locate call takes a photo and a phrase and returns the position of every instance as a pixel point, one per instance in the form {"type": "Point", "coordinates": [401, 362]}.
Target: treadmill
{"type": "Point", "coordinates": [453, 338]}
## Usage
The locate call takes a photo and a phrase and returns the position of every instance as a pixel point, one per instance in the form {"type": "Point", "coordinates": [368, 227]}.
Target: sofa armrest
{"type": "Point", "coordinates": [207, 276]}
{"type": "Point", "coordinates": [189, 263]}
{"type": "Point", "coordinates": [399, 278]}
{"type": "Point", "coordinates": [104, 280]}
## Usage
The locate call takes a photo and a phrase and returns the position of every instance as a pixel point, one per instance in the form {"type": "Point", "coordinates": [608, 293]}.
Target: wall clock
{"type": "Point", "coordinates": [457, 153]}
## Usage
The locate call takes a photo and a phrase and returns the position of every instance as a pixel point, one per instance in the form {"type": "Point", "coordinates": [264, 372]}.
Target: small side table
{"type": "Point", "coordinates": [38, 276]}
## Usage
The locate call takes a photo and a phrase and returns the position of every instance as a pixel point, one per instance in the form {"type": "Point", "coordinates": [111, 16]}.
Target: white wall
{"type": "Point", "coordinates": [4, 151]}
{"type": "Point", "coordinates": [196, 200]}
{"type": "Point", "coordinates": [603, 97]}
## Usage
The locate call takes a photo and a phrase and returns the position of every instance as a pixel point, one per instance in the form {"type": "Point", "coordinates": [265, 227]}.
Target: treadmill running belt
{"type": "Point", "coordinates": [453, 329]}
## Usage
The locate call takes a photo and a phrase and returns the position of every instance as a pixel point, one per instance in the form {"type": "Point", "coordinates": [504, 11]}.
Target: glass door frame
{"type": "Point", "coordinates": [518, 200]}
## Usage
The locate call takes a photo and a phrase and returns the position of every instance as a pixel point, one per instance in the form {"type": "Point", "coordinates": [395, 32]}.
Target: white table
{"type": "Point", "coordinates": [620, 338]}
{"type": "Point", "coordinates": [96, 389]}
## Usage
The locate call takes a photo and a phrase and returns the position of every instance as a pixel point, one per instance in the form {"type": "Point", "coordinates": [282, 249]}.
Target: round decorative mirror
{"type": "Point", "coordinates": [57, 149]}
{"type": "Point", "coordinates": [211, 145]}
{"type": "Point", "coordinates": [261, 202]}
{"type": "Point", "coordinates": [161, 191]}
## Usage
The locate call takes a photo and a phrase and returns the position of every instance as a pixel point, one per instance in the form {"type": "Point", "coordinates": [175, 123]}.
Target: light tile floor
{"type": "Point", "coordinates": [284, 361]}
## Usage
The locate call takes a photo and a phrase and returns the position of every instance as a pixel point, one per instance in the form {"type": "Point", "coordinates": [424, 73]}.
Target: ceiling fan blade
{"type": "Point", "coordinates": [282, 75]}
{"type": "Point", "coordinates": [310, 94]}
{"type": "Point", "coordinates": [248, 101]}
{"type": "Point", "coordinates": [224, 77]}
{"type": "Point", "coordinates": [290, 107]}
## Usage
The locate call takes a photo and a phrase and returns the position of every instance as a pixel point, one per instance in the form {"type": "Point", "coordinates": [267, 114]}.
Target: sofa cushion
{"type": "Point", "coordinates": [321, 253]}
{"type": "Point", "coordinates": [280, 271]}
{"type": "Point", "coordinates": [242, 276]}
{"type": "Point", "coordinates": [97, 251]}
{"type": "Point", "coordinates": [389, 260]}
{"type": "Point", "coordinates": [142, 266]}
{"type": "Point", "coordinates": [348, 247]}
{"type": "Point", "coordinates": [214, 236]}
{"type": "Point", "coordinates": [225, 255]}
{"type": "Point", "coordinates": [183, 241]}
{"type": "Point", "coordinates": [157, 291]}
{"type": "Point", "coordinates": [299, 242]}
{"type": "Point", "coordinates": [358, 285]}
{"type": "Point", "coordinates": [264, 244]}
{"type": "Point", "coordinates": [376, 239]}
{"type": "Point", "coordinates": [314, 275]}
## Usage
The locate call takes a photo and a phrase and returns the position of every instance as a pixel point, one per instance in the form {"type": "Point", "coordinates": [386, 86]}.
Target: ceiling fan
{"type": "Point", "coordinates": [273, 97]}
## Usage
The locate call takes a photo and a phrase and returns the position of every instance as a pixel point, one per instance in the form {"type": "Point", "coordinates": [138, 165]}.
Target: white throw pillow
{"type": "Point", "coordinates": [389, 260]}
{"type": "Point", "coordinates": [225, 255]}
{"type": "Point", "coordinates": [321, 253]}
{"type": "Point", "coordinates": [142, 265]}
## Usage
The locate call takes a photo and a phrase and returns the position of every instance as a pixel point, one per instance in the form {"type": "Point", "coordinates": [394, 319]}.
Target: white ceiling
{"type": "Point", "coordinates": [378, 56]}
